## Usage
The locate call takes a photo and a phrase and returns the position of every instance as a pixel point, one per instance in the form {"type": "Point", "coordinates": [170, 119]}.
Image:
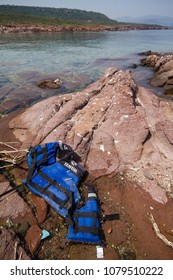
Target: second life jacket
{"type": "Point", "coordinates": [86, 225]}
{"type": "Point", "coordinates": [55, 181]}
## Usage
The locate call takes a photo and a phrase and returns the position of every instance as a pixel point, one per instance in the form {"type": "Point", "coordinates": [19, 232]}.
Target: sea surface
{"type": "Point", "coordinates": [78, 58]}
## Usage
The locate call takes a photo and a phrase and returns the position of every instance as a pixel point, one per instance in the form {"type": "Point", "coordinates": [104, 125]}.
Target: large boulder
{"type": "Point", "coordinates": [114, 126]}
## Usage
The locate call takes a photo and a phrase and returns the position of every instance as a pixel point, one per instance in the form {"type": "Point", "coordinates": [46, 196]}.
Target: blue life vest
{"type": "Point", "coordinates": [86, 225]}
{"type": "Point", "coordinates": [55, 181]}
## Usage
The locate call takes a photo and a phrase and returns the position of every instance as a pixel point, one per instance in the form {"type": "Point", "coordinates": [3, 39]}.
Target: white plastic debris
{"type": "Point", "coordinates": [100, 252]}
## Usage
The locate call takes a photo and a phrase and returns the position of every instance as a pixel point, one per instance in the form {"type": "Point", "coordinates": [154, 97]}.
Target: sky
{"type": "Point", "coordinates": [111, 8]}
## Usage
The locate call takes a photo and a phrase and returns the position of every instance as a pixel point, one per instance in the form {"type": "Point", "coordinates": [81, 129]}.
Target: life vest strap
{"type": "Point", "coordinates": [66, 203]}
{"type": "Point", "coordinates": [78, 214]}
{"type": "Point", "coordinates": [34, 154]}
{"type": "Point", "coordinates": [87, 229]}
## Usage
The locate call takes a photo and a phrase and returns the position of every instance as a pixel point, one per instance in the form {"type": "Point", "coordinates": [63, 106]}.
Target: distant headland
{"type": "Point", "coordinates": [42, 19]}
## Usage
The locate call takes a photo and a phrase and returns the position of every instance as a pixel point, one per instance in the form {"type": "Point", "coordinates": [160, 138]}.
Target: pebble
{"type": "Point", "coordinates": [148, 176]}
{"type": "Point", "coordinates": [109, 230]}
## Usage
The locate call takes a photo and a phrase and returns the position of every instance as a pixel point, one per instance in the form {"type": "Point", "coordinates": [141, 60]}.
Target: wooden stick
{"type": "Point", "coordinates": [20, 256]}
{"type": "Point", "coordinates": [6, 166]}
{"type": "Point", "coordinates": [9, 156]}
{"type": "Point", "coordinates": [15, 151]}
{"type": "Point", "coordinates": [6, 144]}
{"type": "Point", "coordinates": [157, 231]}
{"type": "Point", "coordinates": [15, 250]}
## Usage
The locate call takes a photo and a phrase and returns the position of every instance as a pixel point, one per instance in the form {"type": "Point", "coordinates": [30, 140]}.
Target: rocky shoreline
{"type": "Point", "coordinates": [163, 70]}
{"type": "Point", "coordinates": [8, 28]}
{"type": "Point", "coordinates": [123, 134]}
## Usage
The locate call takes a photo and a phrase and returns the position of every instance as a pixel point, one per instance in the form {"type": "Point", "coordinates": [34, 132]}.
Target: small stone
{"type": "Point", "coordinates": [109, 230]}
{"type": "Point", "coordinates": [148, 176]}
{"type": "Point", "coordinates": [58, 82]}
{"type": "Point", "coordinates": [48, 84]}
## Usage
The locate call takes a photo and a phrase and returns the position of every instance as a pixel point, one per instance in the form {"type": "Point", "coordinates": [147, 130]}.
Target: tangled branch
{"type": "Point", "coordinates": [11, 156]}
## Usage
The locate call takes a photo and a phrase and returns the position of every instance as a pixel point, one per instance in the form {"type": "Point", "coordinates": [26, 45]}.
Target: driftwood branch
{"type": "Point", "coordinates": [157, 231]}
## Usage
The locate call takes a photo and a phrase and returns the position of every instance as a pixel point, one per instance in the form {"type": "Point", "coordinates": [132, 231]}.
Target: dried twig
{"type": "Point", "coordinates": [15, 250]}
{"type": "Point", "coordinates": [8, 145]}
{"type": "Point", "coordinates": [10, 157]}
{"type": "Point", "coordinates": [12, 152]}
{"type": "Point", "coordinates": [6, 166]}
{"type": "Point", "coordinates": [20, 256]}
{"type": "Point", "coordinates": [157, 231]}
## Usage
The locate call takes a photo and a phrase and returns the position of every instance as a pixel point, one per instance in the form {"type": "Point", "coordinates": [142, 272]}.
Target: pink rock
{"type": "Point", "coordinates": [40, 206]}
{"type": "Point", "coordinates": [10, 248]}
{"type": "Point", "coordinates": [13, 207]}
{"type": "Point", "coordinates": [114, 125]}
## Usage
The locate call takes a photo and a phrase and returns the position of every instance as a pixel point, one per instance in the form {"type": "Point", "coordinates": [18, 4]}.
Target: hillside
{"type": "Point", "coordinates": [35, 19]}
{"type": "Point", "coordinates": [24, 13]}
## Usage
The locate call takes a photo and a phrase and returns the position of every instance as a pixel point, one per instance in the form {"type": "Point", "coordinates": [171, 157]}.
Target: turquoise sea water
{"type": "Point", "coordinates": [88, 54]}
{"type": "Point", "coordinates": [78, 52]}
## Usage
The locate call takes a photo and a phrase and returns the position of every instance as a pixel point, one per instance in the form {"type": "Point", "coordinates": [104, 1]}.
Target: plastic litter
{"type": "Point", "coordinates": [45, 234]}
{"type": "Point", "coordinates": [100, 252]}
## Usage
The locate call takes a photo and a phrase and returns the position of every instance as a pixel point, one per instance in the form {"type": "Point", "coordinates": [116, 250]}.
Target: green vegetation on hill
{"type": "Point", "coordinates": [10, 14]}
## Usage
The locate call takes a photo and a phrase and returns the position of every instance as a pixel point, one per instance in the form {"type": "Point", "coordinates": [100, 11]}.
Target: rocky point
{"type": "Point", "coordinates": [114, 125]}
{"type": "Point", "coordinates": [163, 68]}
{"type": "Point", "coordinates": [123, 134]}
